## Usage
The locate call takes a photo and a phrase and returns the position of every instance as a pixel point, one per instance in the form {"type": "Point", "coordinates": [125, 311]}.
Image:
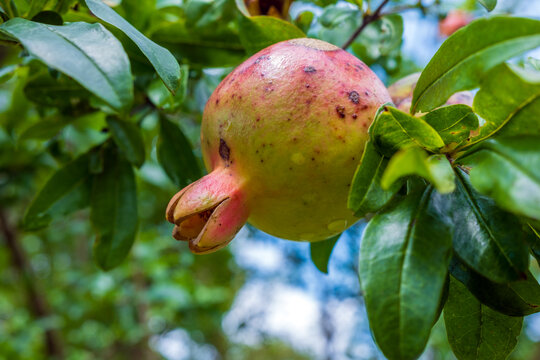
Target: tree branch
{"type": "Point", "coordinates": [366, 20]}
{"type": "Point", "coordinates": [36, 300]}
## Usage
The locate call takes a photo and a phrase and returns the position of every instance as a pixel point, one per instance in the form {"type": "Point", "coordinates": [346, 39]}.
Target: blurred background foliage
{"type": "Point", "coordinates": [260, 298]}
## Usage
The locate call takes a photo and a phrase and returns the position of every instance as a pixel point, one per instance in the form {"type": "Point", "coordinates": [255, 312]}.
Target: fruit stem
{"type": "Point", "coordinates": [366, 20]}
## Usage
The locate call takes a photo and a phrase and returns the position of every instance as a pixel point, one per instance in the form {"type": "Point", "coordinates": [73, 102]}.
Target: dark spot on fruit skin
{"type": "Point", "coordinates": [258, 119]}
{"type": "Point", "coordinates": [312, 159]}
{"type": "Point", "coordinates": [366, 93]}
{"type": "Point", "coordinates": [262, 160]}
{"type": "Point", "coordinates": [354, 97]}
{"type": "Point", "coordinates": [363, 107]}
{"type": "Point", "coordinates": [224, 150]}
{"type": "Point", "coordinates": [217, 101]}
{"type": "Point", "coordinates": [260, 58]}
{"type": "Point", "coordinates": [307, 85]}
{"type": "Point", "coordinates": [354, 116]}
{"type": "Point", "coordinates": [310, 69]}
{"type": "Point", "coordinates": [341, 111]}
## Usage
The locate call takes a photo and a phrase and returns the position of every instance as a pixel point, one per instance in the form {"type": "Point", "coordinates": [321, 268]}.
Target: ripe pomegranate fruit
{"type": "Point", "coordinates": [281, 137]}
{"type": "Point", "coordinates": [402, 92]}
{"type": "Point", "coordinates": [454, 20]}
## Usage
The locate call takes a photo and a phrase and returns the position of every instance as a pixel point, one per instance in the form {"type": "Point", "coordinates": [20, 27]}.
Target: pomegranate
{"type": "Point", "coordinates": [281, 137]}
{"type": "Point", "coordinates": [455, 20]}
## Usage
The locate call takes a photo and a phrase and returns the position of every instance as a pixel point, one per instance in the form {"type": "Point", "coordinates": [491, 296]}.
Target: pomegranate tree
{"type": "Point", "coordinates": [281, 138]}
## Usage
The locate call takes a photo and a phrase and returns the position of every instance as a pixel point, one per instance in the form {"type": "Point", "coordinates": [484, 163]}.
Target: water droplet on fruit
{"type": "Point", "coordinates": [337, 225]}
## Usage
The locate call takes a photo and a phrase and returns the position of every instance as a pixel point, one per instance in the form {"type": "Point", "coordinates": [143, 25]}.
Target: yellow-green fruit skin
{"type": "Point", "coordinates": [290, 124]}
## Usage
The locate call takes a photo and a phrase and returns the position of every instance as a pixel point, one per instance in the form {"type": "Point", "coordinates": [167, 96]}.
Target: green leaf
{"type": "Point", "coordinates": [62, 92]}
{"type": "Point", "coordinates": [454, 123]}
{"type": "Point", "coordinates": [475, 332]}
{"type": "Point", "coordinates": [128, 138]}
{"type": "Point", "coordinates": [258, 32]}
{"type": "Point", "coordinates": [393, 129]}
{"type": "Point", "coordinates": [507, 169]}
{"type": "Point", "coordinates": [533, 63]}
{"type": "Point", "coordinates": [486, 238]}
{"type": "Point", "coordinates": [414, 161]}
{"type": "Point", "coordinates": [366, 194]}
{"type": "Point", "coordinates": [88, 53]}
{"type": "Point", "coordinates": [404, 257]}
{"type": "Point", "coordinates": [518, 298]}
{"type": "Point", "coordinates": [303, 20]}
{"type": "Point", "coordinates": [511, 109]}
{"type": "Point", "coordinates": [488, 4]}
{"type": "Point", "coordinates": [175, 154]}
{"type": "Point", "coordinates": [467, 55]}
{"type": "Point", "coordinates": [163, 61]}
{"type": "Point", "coordinates": [217, 47]}
{"type": "Point", "coordinates": [45, 129]}
{"type": "Point", "coordinates": [534, 239]}
{"type": "Point", "coordinates": [114, 210]}
{"type": "Point", "coordinates": [35, 7]}
{"type": "Point", "coordinates": [379, 38]}
{"type": "Point", "coordinates": [65, 191]}
{"type": "Point", "coordinates": [337, 23]}
{"type": "Point", "coordinates": [48, 17]}
{"type": "Point", "coordinates": [320, 252]}
{"type": "Point", "coordinates": [162, 98]}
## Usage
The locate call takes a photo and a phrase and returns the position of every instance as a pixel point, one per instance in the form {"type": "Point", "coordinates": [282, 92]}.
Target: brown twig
{"type": "Point", "coordinates": [366, 20]}
{"type": "Point", "coordinates": [36, 300]}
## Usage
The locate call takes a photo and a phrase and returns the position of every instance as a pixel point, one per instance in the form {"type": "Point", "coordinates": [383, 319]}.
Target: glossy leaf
{"type": "Point", "coordinates": [175, 154]}
{"type": "Point", "coordinates": [366, 194]}
{"type": "Point", "coordinates": [258, 32]}
{"type": "Point", "coordinates": [163, 61]}
{"type": "Point", "coordinates": [65, 191]}
{"type": "Point", "coordinates": [128, 138]}
{"type": "Point", "coordinates": [507, 169]}
{"type": "Point", "coordinates": [394, 129]}
{"type": "Point", "coordinates": [512, 109]}
{"type": "Point", "coordinates": [114, 210]}
{"type": "Point", "coordinates": [321, 251]}
{"type": "Point", "coordinates": [404, 258]}
{"type": "Point", "coordinates": [518, 298]}
{"type": "Point", "coordinates": [475, 332]}
{"type": "Point", "coordinates": [488, 4]}
{"type": "Point", "coordinates": [414, 161]}
{"type": "Point", "coordinates": [454, 123]}
{"type": "Point", "coordinates": [162, 98]}
{"type": "Point", "coordinates": [487, 239]}
{"type": "Point", "coordinates": [88, 53]}
{"type": "Point", "coordinates": [467, 55]}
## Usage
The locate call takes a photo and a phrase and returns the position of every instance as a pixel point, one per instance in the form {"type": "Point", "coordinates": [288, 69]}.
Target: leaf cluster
{"type": "Point", "coordinates": [454, 196]}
